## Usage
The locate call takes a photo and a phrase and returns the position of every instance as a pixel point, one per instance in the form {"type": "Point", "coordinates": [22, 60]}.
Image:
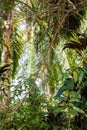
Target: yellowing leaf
{"type": "Point", "coordinates": [75, 76]}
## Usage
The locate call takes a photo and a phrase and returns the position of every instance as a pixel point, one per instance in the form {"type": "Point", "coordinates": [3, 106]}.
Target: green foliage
{"type": "Point", "coordinates": [29, 108]}
{"type": "Point", "coordinates": [73, 21]}
{"type": "Point", "coordinates": [72, 96]}
{"type": "Point", "coordinates": [16, 49]}
{"type": "Point", "coordinates": [78, 44]}
{"type": "Point", "coordinates": [7, 5]}
{"type": "Point", "coordinates": [36, 112]}
{"type": "Point", "coordinates": [31, 113]}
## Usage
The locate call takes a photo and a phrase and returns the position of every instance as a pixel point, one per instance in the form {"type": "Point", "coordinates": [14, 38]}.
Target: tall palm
{"type": "Point", "coordinates": [8, 49]}
{"type": "Point", "coordinates": [47, 21]}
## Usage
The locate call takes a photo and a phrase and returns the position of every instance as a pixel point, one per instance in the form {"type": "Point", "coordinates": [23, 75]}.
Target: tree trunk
{"type": "Point", "coordinates": [6, 56]}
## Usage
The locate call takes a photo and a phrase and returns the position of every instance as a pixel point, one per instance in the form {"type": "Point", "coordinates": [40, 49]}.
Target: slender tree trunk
{"type": "Point", "coordinates": [6, 56]}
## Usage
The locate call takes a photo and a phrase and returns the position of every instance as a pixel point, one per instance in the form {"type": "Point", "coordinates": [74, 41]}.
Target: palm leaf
{"type": "Point", "coordinates": [73, 46]}
{"type": "Point", "coordinates": [80, 45]}
{"type": "Point", "coordinates": [16, 49]}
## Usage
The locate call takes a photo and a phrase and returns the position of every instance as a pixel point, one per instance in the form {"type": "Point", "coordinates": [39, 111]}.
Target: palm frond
{"type": "Point", "coordinates": [16, 49]}
{"type": "Point", "coordinates": [73, 45]}
{"type": "Point", "coordinates": [80, 45]}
